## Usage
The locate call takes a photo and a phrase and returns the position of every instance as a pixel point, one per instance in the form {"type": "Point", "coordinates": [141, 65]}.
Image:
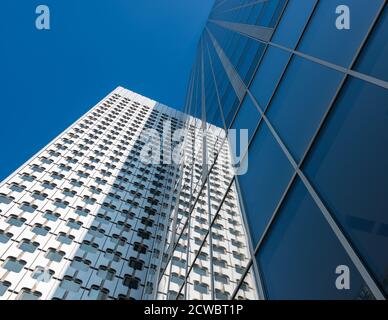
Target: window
{"type": "Point", "coordinates": [222, 278]}
{"type": "Point", "coordinates": [54, 255]}
{"type": "Point", "coordinates": [292, 22]}
{"type": "Point", "coordinates": [131, 282]}
{"type": "Point", "coordinates": [82, 211]}
{"type": "Point", "coordinates": [269, 175]}
{"type": "Point", "coordinates": [106, 273]}
{"type": "Point", "coordinates": [98, 293]}
{"type": "Point", "coordinates": [238, 255]}
{"type": "Point", "coordinates": [221, 295]}
{"type": "Point", "coordinates": [6, 199]}
{"type": "Point", "coordinates": [112, 255]}
{"type": "Point", "coordinates": [65, 238]}
{"type": "Point", "coordinates": [28, 246]}
{"type": "Point", "coordinates": [266, 79]}
{"type": "Point", "coordinates": [119, 240]}
{"type": "Point", "coordinates": [71, 284]}
{"type": "Point", "coordinates": [13, 264]}
{"type": "Point", "coordinates": [40, 229]}
{"type": "Point", "coordinates": [88, 246]}
{"type": "Point", "coordinates": [203, 271]}
{"type": "Point", "coordinates": [173, 295]}
{"type": "Point", "coordinates": [52, 216]}
{"type": "Point", "coordinates": [96, 232]}
{"type": "Point", "coordinates": [177, 278]}
{"type": "Point", "coordinates": [42, 274]}
{"type": "Point", "coordinates": [61, 203]}
{"type": "Point", "coordinates": [348, 167]}
{"type": "Point", "coordinates": [218, 249]}
{"type": "Point", "coordinates": [28, 294]}
{"type": "Point", "coordinates": [16, 221]}
{"type": "Point", "coordinates": [334, 46]}
{"type": "Point", "coordinates": [302, 240]}
{"type": "Point", "coordinates": [5, 236]}
{"type": "Point", "coordinates": [219, 262]}
{"type": "Point", "coordinates": [373, 60]}
{"type": "Point", "coordinates": [135, 263]}
{"type": "Point", "coordinates": [178, 262]}
{"type": "Point", "coordinates": [81, 264]}
{"type": "Point", "coordinates": [201, 287]}
{"type": "Point", "coordinates": [4, 285]}
{"type": "Point", "coordinates": [15, 187]}
{"type": "Point", "coordinates": [139, 247]}
{"type": "Point", "coordinates": [297, 120]}
{"type": "Point", "coordinates": [72, 223]}
{"type": "Point", "coordinates": [27, 207]}
{"type": "Point", "coordinates": [144, 234]}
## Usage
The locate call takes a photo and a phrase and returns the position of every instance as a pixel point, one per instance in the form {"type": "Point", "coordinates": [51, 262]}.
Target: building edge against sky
{"type": "Point", "coordinates": [87, 218]}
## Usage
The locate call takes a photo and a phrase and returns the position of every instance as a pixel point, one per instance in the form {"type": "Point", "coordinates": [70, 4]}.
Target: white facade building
{"type": "Point", "coordinates": [87, 218]}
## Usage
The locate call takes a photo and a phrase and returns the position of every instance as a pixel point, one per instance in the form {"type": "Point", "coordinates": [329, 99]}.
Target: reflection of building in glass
{"type": "Point", "coordinates": [87, 218]}
{"type": "Point", "coordinates": [314, 99]}
{"type": "Point", "coordinates": [206, 263]}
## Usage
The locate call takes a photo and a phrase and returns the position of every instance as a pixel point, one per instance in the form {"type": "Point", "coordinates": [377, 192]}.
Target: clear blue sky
{"type": "Point", "coordinates": [48, 79]}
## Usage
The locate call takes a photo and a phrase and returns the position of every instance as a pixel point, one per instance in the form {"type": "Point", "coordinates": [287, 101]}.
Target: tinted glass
{"type": "Point", "coordinates": [323, 40]}
{"type": "Point", "coordinates": [301, 101]}
{"type": "Point", "coordinates": [292, 22]}
{"type": "Point", "coordinates": [268, 175]}
{"type": "Point", "coordinates": [300, 256]}
{"type": "Point", "coordinates": [348, 166]}
{"type": "Point", "coordinates": [247, 117]}
{"type": "Point", "coordinates": [268, 74]}
{"type": "Point", "coordinates": [373, 60]}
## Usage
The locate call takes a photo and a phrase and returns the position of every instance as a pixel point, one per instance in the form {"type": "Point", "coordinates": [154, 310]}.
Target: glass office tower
{"type": "Point", "coordinates": [314, 98]}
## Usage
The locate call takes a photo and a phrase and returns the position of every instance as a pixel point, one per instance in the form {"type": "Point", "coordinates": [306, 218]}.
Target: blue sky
{"type": "Point", "coordinates": [48, 79]}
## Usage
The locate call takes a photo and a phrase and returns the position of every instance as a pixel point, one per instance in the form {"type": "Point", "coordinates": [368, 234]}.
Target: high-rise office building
{"type": "Point", "coordinates": [308, 78]}
{"type": "Point", "coordinates": [103, 211]}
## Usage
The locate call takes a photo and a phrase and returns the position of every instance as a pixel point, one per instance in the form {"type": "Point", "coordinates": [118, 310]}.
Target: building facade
{"type": "Point", "coordinates": [308, 79]}
{"type": "Point", "coordinates": [95, 214]}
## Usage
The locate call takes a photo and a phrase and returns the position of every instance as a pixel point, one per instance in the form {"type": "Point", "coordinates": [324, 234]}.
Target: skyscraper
{"type": "Point", "coordinates": [309, 80]}
{"type": "Point", "coordinates": [101, 211]}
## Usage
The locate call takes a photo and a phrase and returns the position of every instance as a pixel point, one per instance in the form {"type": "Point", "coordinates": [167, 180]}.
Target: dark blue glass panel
{"type": "Point", "coordinates": [247, 117]}
{"type": "Point", "coordinates": [299, 256]}
{"type": "Point", "coordinates": [271, 13]}
{"type": "Point", "coordinates": [268, 74]}
{"type": "Point", "coordinates": [268, 174]}
{"type": "Point", "coordinates": [249, 59]}
{"type": "Point", "coordinates": [230, 102]}
{"type": "Point", "coordinates": [348, 167]}
{"type": "Point", "coordinates": [373, 60]}
{"type": "Point", "coordinates": [323, 40]}
{"type": "Point", "coordinates": [301, 101]}
{"type": "Point", "coordinates": [292, 22]}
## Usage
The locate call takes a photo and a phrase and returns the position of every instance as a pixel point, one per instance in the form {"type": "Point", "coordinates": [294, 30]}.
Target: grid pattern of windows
{"type": "Point", "coordinates": [88, 218]}
{"type": "Point", "coordinates": [314, 100]}
{"type": "Point", "coordinates": [82, 219]}
{"type": "Point", "coordinates": [208, 246]}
